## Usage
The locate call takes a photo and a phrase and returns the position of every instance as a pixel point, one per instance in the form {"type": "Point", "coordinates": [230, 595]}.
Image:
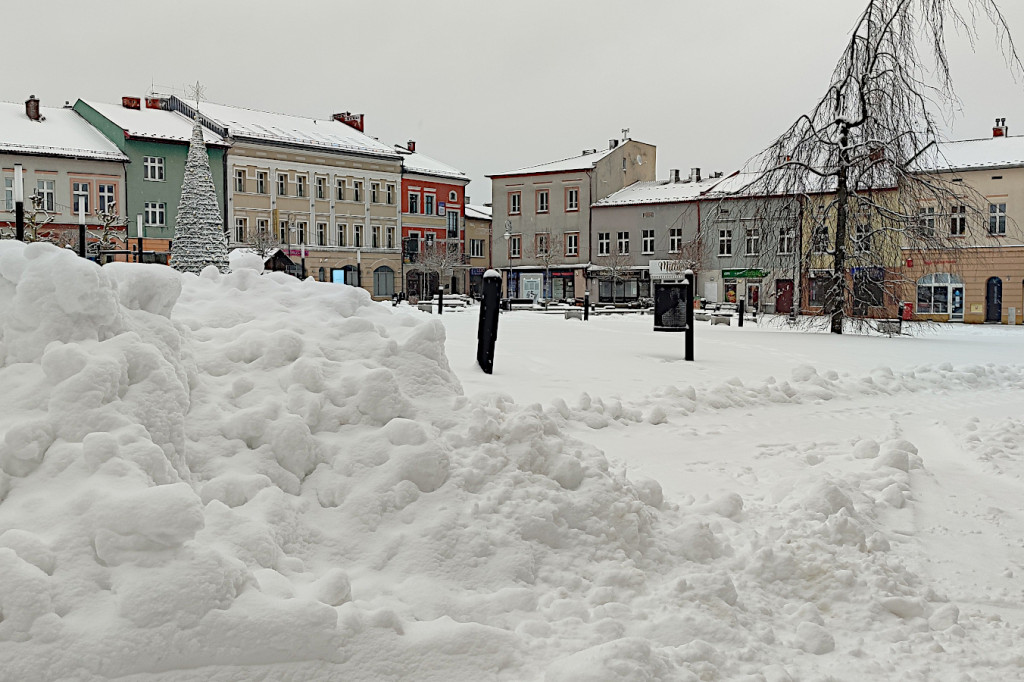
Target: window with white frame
{"type": "Point", "coordinates": [604, 243]}
{"type": "Point", "coordinates": [428, 240]}
{"type": "Point", "coordinates": [155, 214]}
{"type": "Point", "coordinates": [542, 201]}
{"type": "Point", "coordinates": [282, 232]}
{"type": "Point", "coordinates": [390, 191]}
{"type": "Point", "coordinates": [958, 220]}
{"type": "Point", "coordinates": [357, 190]}
{"type": "Point", "coordinates": [263, 227]}
{"type": "Point", "coordinates": [339, 189]}
{"type": "Point", "coordinates": [282, 185]}
{"type": "Point", "coordinates": [453, 225]}
{"type": "Point", "coordinates": [239, 180]}
{"type": "Point", "coordinates": [675, 239]}
{"type": "Point", "coordinates": [341, 238]}
{"type": "Point", "coordinates": [647, 241]}
{"type": "Point", "coordinates": [153, 168]}
{"type": "Point", "coordinates": [753, 241]}
{"type": "Point", "coordinates": [623, 243]}
{"type": "Point", "coordinates": [787, 240]}
{"type": "Point", "coordinates": [541, 243]}
{"type": "Point", "coordinates": [241, 227]}
{"type": "Point", "coordinates": [724, 242]}
{"type": "Point", "coordinates": [300, 232]}
{"type": "Point", "coordinates": [79, 197]}
{"type": "Point", "coordinates": [300, 185]}
{"type": "Point", "coordinates": [321, 187]}
{"type": "Point", "coordinates": [997, 218]}
{"type": "Point", "coordinates": [261, 182]}
{"type": "Point", "coordinates": [926, 221]}
{"type": "Point", "coordinates": [389, 237]}
{"type": "Point", "coordinates": [48, 193]}
{"type": "Point", "coordinates": [428, 204]}
{"type": "Point", "coordinates": [374, 192]}
{"type": "Point", "coordinates": [375, 236]}
{"type": "Point", "coordinates": [819, 238]}
{"type": "Point", "coordinates": [107, 196]}
{"type": "Point", "coordinates": [357, 236]}
{"type": "Point", "coordinates": [8, 194]}
{"type": "Point", "coordinates": [515, 203]}
{"type": "Point", "coordinates": [862, 234]}
{"type": "Point", "coordinates": [933, 292]}
{"type": "Point", "coordinates": [321, 234]}
{"type": "Point", "coordinates": [572, 243]}
{"type": "Point", "coordinates": [515, 246]}
{"type": "Point", "coordinates": [476, 248]}
{"type": "Point", "coordinates": [453, 196]}
{"type": "Point", "coordinates": [414, 203]}
{"type": "Point", "coordinates": [572, 199]}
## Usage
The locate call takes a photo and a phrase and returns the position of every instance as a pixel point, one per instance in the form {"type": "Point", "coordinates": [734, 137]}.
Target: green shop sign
{"type": "Point", "coordinates": [744, 274]}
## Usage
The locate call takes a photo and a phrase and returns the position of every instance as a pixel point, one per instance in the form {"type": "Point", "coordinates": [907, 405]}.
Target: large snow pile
{"type": "Point", "coordinates": [243, 476]}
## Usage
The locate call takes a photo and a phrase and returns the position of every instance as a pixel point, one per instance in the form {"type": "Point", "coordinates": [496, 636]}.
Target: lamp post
{"type": "Point", "coordinates": [508, 284]}
{"type": "Point", "coordinates": [19, 204]}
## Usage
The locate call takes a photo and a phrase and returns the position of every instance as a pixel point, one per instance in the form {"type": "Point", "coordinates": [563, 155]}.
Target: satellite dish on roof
{"type": "Point", "coordinates": [639, 160]}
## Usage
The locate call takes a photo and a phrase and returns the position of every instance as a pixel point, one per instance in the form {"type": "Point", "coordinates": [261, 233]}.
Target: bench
{"type": "Point", "coordinates": [721, 319]}
{"type": "Point", "coordinates": [891, 327]}
{"type": "Point", "coordinates": [574, 314]}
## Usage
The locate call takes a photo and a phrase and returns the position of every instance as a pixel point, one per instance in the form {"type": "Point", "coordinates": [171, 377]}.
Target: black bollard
{"type": "Point", "coordinates": [487, 331]}
{"type": "Point", "coordinates": [586, 305]}
{"type": "Point", "coordinates": [440, 300]}
{"type": "Point", "coordinates": [739, 308]}
{"type": "Point", "coordinates": [688, 341]}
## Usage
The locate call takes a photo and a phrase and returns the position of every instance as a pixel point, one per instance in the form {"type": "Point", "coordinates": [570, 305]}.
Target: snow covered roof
{"type": "Point", "coordinates": [476, 212]}
{"type": "Point", "coordinates": [581, 162]}
{"type": "Point", "coordinates": [297, 130]}
{"type": "Point", "coordinates": [659, 192]}
{"type": "Point", "coordinates": [61, 132]}
{"type": "Point", "coordinates": [414, 162]}
{"type": "Point", "coordinates": [990, 152]}
{"type": "Point", "coordinates": [154, 124]}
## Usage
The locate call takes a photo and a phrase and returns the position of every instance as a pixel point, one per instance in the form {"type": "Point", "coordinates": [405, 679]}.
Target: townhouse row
{"type": "Point", "coordinates": [601, 221]}
{"type": "Point", "coordinates": [317, 197]}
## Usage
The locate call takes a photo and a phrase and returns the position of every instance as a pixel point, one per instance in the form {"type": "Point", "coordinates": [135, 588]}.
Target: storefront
{"type": "Point", "coordinates": [630, 286]}
{"type": "Point", "coordinates": [941, 294]}
{"type": "Point", "coordinates": [476, 281]}
{"type": "Point", "coordinates": [745, 284]}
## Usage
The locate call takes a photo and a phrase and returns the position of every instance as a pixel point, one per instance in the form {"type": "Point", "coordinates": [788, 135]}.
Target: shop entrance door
{"type": "Point", "coordinates": [784, 296]}
{"type": "Point", "coordinates": [956, 306]}
{"type": "Point", "coordinates": [994, 300]}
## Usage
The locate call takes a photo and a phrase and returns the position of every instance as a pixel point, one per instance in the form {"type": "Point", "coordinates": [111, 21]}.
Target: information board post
{"type": "Point", "coordinates": [487, 332]}
{"type": "Point", "coordinates": [688, 342]}
{"type": "Point", "coordinates": [740, 309]}
{"type": "Point", "coordinates": [586, 306]}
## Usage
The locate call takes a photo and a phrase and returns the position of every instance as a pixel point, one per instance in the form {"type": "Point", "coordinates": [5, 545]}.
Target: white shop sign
{"type": "Point", "coordinates": [667, 269]}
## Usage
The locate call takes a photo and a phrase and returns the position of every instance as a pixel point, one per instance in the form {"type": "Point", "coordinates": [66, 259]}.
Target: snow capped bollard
{"type": "Point", "coordinates": [487, 332]}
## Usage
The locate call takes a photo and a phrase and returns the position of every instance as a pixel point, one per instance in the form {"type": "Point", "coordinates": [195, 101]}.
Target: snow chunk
{"type": "Point", "coordinates": [814, 639]}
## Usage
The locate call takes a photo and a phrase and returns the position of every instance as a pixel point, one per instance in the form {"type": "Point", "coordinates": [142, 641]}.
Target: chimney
{"type": "Point", "coordinates": [155, 103]}
{"type": "Point", "coordinates": [1000, 129]}
{"type": "Point", "coordinates": [350, 119]}
{"type": "Point", "coordinates": [585, 152]}
{"type": "Point", "coordinates": [673, 175]}
{"type": "Point", "coordinates": [612, 144]}
{"type": "Point", "coordinates": [131, 102]}
{"type": "Point", "coordinates": [695, 175]}
{"type": "Point", "coordinates": [411, 145]}
{"type": "Point", "coordinates": [32, 107]}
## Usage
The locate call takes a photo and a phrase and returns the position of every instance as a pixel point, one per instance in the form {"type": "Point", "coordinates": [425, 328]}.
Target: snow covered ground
{"type": "Point", "coordinates": [245, 477]}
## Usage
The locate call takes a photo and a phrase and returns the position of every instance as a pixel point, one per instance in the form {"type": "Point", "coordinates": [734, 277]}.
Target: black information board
{"type": "Point", "coordinates": [670, 302]}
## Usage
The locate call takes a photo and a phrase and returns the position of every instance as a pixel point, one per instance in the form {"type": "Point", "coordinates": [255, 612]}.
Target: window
{"type": "Point", "coordinates": [357, 237]}
{"type": "Point", "coordinates": [867, 287]}
{"type": "Point", "coordinates": [542, 244]}
{"type": "Point", "coordinates": [263, 227]}
{"type": "Point", "coordinates": [80, 197]}
{"type": "Point", "coordinates": [390, 189]}
{"type": "Point", "coordinates": [926, 221]}
{"type": "Point", "coordinates": [389, 237]}
{"type": "Point", "coordinates": [787, 240]}
{"type": "Point", "coordinates": [357, 190]}
{"type": "Point", "coordinates": [862, 237]}
{"type": "Point", "coordinates": [300, 185]}
{"type": "Point", "coordinates": [155, 214]}
{"type": "Point", "coordinates": [321, 234]}
{"type": "Point", "coordinates": [725, 242]}
{"type": "Point", "coordinates": [153, 168]}
{"type": "Point", "coordinates": [675, 239]}
{"type": "Point", "coordinates": [340, 190]}
{"type": "Point", "coordinates": [572, 244]}
{"type": "Point", "coordinates": [453, 196]}
{"type": "Point", "coordinates": [958, 220]}
{"type": "Point", "coordinates": [412, 243]}
{"type": "Point", "coordinates": [623, 243]}
{"type": "Point", "coordinates": [515, 203]}
{"type": "Point", "coordinates": [107, 195]}
{"type": "Point", "coordinates": [933, 292]}
{"type": "Point", "coordinates": [515, 246]}
{"type": "Point", "coordinates": [819, 287]}
{"type": "Point", "coordinates": [301, 232]}
{"type": "Point", "coordinates": [8, 194]}
{"type": "Point", "coordinates": [375, 237]}
{"type": "Point", "coordinates": [476, 248]}
{"type": "Point", "coordinates": [47, 191]}
{"type": "Point", "coordinates": [241, 227]}
{"type": "Point", "coordinates": [321, 188]}
{"type": "Point", "coordinates": [282, 185]}
{"type": "Point", "coordinates": [997, 218]}
{"type": "Point", "coordinates": [428, 204]}
{"type": "Point", "coordinates": [342, 236]}
{"type": "Point", "coordinates": [453, 224]}
{"type": "Point", "coordinates": [604, 243]}
{"type": "Point", "coordinates": [542, 201]}
{"type": "Point", "coordinates": [414, 203]}
{"type": "Point", "coordinates": [240, 180]}
{"type": "Point", "coordinates": [282, 231]}
{"type": "Point", "coordinates": [261, 182]}
{"type": "Point", "coordinates": [428, 240]}
{"type": "Point", "coordinates": [383, 281]}
{"type": "Point", "coordinates": [819, 238]}
{"type": "Point", "coordinates": [753, 242]}
{"type": "Point", "coordinates": [647, 241]}
{"type": "Point", "coordinates": [374, 192]}
{"type": "Point", "coordinates": [572, 199]}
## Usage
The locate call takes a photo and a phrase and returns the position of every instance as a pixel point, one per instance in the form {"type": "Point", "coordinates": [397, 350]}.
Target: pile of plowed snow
{"type": "Point", "coordinates": [245, 476]}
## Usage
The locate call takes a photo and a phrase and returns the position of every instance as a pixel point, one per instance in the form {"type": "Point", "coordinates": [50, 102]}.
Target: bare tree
{"type": "Point", "coordinates": [37, 218]}
{"type": "Point", "coordinates": [263, 242]}
{"type": "Point", "coordinates": [858, 162]}
{"type": "Point", "coordinates": [440, 258]}
{"type": "Point", "coordinates": [615, 267]}
{"type": "Point", "coordinates": [548, 251]}
{"type": "Point", "coordinates": [107, 231]}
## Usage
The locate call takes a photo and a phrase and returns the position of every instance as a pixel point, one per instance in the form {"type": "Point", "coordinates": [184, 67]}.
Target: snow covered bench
{"type": "Point", "coordinates": [892, 327]}
{"type": "Point", "coordinates": [574, 314]}
{"type": "Point", "coordinates": [721, 319]}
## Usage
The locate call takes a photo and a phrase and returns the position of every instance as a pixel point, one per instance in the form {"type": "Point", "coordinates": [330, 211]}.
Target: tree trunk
{"type": "Point", "coordinates": [836, 295]}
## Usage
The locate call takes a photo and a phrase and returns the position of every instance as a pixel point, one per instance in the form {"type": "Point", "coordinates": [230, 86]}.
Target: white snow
{"type": "Point", "coordinates": [249, 477]}
{"type": "Point", "coordinates": [659, 192]}
{"type": "Point", "coordinates": [416, 162]}
{"type": "Point", "coordinates": [574, 163]}
{"type": "Point", "coordinates": [149, 123]}
{"type": "Point", "coordinates": [62, 133]}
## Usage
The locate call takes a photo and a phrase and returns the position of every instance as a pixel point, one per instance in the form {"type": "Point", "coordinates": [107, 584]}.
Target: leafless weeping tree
{"type": "Point", "coordinates": [859, 164]}
{"type": "Point", "coordinates": [440, 258]}
{"type": "Point", "coordinates": [263, 242]}
{"type": "Point", "coordinates": [615, 267]}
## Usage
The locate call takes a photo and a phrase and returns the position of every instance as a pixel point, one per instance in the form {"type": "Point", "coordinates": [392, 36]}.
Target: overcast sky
{"type": "Point", "coordinates": [484, 86]}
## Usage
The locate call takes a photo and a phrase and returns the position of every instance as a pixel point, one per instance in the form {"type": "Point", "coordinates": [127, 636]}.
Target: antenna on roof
{"type": "Point", "coordinates": [625, 134]}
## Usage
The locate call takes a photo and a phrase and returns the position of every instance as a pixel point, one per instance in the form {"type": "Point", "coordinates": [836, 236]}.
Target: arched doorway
{"type": "Point", "coordinates": [994, 300]}
{"type": "Point", "coordinates": [384, 281]}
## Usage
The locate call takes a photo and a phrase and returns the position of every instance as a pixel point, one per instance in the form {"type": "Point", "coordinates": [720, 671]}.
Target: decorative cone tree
{"type": "Point", "coordinates": [198, 231]}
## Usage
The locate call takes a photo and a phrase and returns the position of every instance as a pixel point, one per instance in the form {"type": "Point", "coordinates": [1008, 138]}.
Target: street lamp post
{"type": "Point", "coordinates": [508, 284]}
{"type": "Point", "coordinates": [19, 203]}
